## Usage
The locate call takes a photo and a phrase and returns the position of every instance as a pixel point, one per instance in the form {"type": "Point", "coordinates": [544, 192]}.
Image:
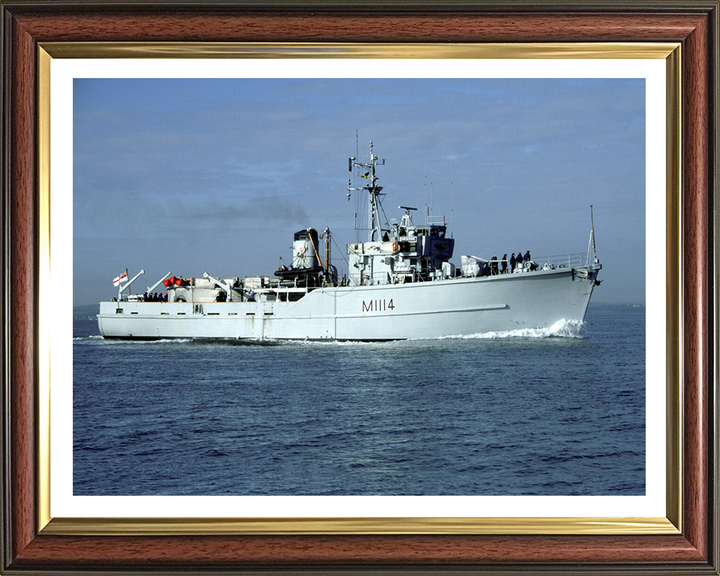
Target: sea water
{"type": "Point", "coordinates": [539, 412]}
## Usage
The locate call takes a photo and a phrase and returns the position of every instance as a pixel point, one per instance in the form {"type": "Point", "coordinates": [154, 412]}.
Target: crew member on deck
{"type": "Point", "coordinates": [512, 263]}
{"type": "Point", "coordinates": [504, 264]}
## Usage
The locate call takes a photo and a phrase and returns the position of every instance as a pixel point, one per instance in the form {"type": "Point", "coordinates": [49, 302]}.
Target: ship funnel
{"type": "Point", "coordinates": [305, 249]}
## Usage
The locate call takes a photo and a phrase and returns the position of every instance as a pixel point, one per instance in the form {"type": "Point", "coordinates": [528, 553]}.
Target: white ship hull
{"type": "Point", "coordinates": [451, 307]}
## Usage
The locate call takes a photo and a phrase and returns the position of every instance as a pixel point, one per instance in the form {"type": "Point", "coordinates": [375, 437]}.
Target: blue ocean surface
{"type": "Point", "coordinates": [555, 412]}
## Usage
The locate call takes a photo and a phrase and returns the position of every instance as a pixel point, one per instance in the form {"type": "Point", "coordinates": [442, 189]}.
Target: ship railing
{"type": "Point", "coordinates": [436, 220]}
{"type": "Point", "coordinates": [557, 261]}
{"type": "Point", "coordinates": [563, 260]}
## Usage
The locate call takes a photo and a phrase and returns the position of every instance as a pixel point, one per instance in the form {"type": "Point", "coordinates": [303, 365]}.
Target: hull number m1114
{"type": "Point", "coordinates": [378, 305]}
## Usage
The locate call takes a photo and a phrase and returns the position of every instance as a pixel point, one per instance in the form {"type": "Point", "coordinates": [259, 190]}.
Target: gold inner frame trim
{"type": "Point", "coordinates": [670, 52]}
{"type": "Point", "coordinates": [673, 310]}
{"type": "Point", "coordinates": [44, 299]}
{"type": "Point", "coordinates": [406, 526]}
{"type": "Point", "coordinates": [566, 50]}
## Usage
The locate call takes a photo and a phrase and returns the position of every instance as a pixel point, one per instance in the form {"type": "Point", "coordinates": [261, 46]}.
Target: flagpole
{"type": "Point", "coordinates": [592, 232]}
{"type": "Point", "coordinates": [451, 198]}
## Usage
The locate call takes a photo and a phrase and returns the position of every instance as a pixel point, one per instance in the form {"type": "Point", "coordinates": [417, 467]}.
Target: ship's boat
{"type": "Point", "coordinates": [401, 284]}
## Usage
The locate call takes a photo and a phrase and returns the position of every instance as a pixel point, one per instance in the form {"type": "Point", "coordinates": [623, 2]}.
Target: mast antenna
{"type": "Point", "coordinates": [373, 190]}
{"type": "Point", "coordinates": [592, 233]}
{"type": "Point", "coordinates": [426, 204]}
{"type": "Point", "coordinates": [432, 195]}
{"type": "Point", "coordinates": [451, 198]}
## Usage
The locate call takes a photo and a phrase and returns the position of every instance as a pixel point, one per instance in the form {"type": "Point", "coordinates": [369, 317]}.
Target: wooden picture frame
{"type": "Point", "coordinates": [31, 545]}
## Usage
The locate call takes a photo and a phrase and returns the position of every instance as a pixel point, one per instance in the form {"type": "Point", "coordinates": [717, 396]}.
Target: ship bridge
{"type": "Point", "coordinates": [407, 253]}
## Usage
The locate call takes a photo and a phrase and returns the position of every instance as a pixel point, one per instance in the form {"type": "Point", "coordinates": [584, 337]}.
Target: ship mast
{"type": "Point", "coordinates": [373, 191]}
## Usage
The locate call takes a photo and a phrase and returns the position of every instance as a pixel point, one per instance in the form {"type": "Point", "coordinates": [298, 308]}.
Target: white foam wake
{"type": "Point", "coordinates": [561, 329]}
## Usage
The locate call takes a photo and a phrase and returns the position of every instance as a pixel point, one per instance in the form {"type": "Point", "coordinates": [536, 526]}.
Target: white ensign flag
{"type": "Point", "coordinates": [121, 278]}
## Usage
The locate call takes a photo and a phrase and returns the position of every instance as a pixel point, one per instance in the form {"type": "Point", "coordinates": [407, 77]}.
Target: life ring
{"type": "Point", "coordinates": [395, 247]}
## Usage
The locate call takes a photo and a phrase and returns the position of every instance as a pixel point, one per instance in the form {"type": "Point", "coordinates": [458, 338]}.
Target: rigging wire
{"type": "Point", "coordinates": [340, 251]}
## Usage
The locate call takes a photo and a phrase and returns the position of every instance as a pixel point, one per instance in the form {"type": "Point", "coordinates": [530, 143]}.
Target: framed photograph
{"type": "Point", "coordinates": [638, 80]}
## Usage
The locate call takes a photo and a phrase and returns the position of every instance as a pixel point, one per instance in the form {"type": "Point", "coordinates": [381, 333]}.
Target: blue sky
{"type": "Point", "coordinates": [215, 175]}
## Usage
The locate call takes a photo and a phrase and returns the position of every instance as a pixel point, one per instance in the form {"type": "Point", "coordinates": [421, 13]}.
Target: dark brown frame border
{"type": "Point", "coordinates": [692, 23]}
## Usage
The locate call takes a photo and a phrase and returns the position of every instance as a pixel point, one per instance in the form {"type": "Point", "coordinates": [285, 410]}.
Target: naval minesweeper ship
{"type": "Point", "coordinates": [400, 285]}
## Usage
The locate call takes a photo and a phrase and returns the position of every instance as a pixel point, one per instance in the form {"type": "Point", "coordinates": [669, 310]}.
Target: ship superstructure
{"type": "Point", "coordinates": [401, 252]}
{"type": "Point", "coordinates": [400, 285]}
